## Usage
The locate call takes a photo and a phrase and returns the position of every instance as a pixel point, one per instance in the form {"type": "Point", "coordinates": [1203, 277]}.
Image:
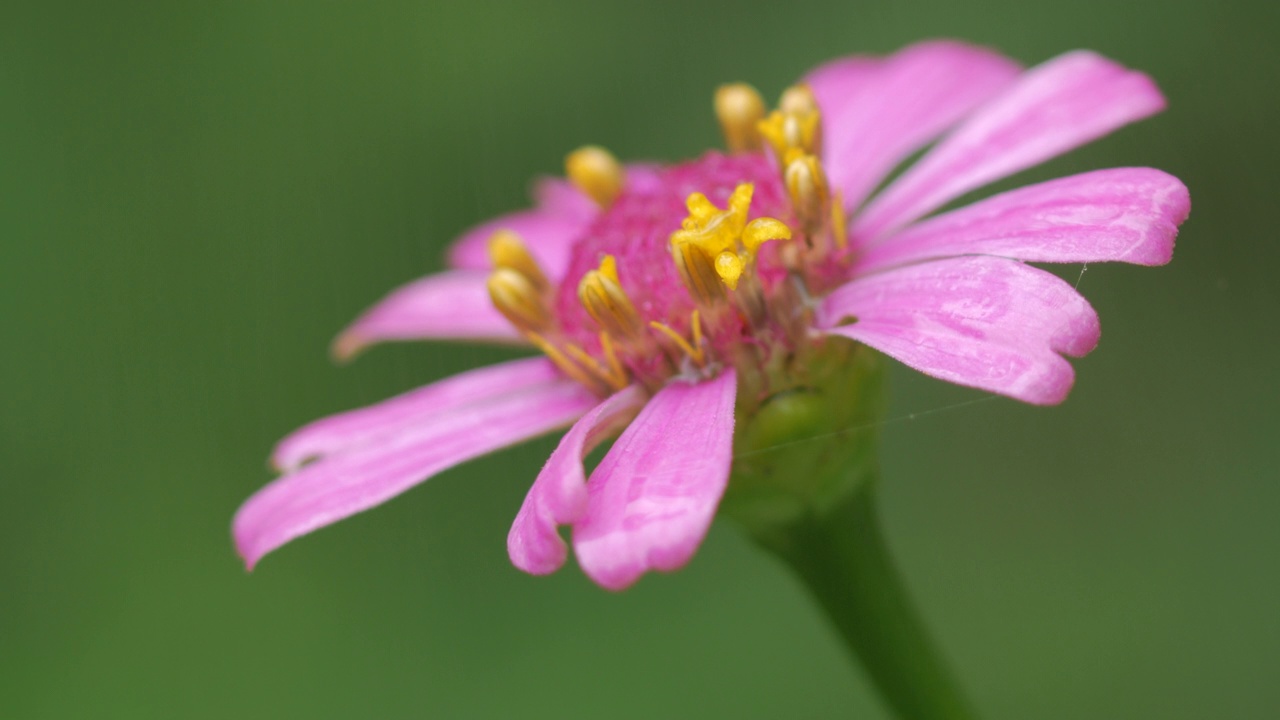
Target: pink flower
{"type": "Point", "coordinates": [661, 296]}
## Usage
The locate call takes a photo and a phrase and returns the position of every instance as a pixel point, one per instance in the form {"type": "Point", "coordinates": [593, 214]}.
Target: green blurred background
{"type": "Point", "coordinates": [197, 196]}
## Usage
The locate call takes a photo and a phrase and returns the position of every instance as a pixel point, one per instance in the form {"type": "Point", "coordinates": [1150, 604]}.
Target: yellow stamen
{"type": "Point", "coordinates": [507, 250]}
{"type": "Point", "coordinates": [762, 230]}
{"type": "Point", "coordinates": [798, 99]}
{"type": "Point", "coordinates": [568, 366]}
{"type": "Point", "coordinates": [713, 229]}
{"type": "Point", "coordinates": [694, 350]}
{"type": "Point", "coordinates": [516, 297]}
{"type": "Point", "coordinates": [596, 172]}
{"type": "Point", "coordinates": [729, 267]}
{"type": "Point", "coordinates": [740, 203]}
{"type": "Point", "coordinates": [791, 131]}
{"type": "Point", "coordinates": [609, 267]}
{"type": "Point", "coordinates": [697, 270]}
{"type": "Point", "coordinates": [839, 221]}
{"type": "Point", "coordinates": [605, 300]}
{"type": "Point", "coordinates": [606, 344]}
{"type": "Point", "coordinates": [613, 375]}
{"type": "Point", "coordinates": [807, 185]}
{"type": "Point", "coordinates": [701, 210]}
{"type": "Point", "coordinates": [739, 109]}
{"type": "Point", "coordinates": [714, 244]}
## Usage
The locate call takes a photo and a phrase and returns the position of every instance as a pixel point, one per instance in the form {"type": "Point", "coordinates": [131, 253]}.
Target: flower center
{"type": "Point", "coordinates": [692, 267]}
{"type": "Point", "coordinates": [637, 229]}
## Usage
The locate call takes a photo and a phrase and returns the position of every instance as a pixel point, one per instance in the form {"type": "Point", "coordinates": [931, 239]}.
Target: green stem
{"type": "Point", "coordinates": [844, 562]}
{"type": "Point", "coordinates": [804, 485]}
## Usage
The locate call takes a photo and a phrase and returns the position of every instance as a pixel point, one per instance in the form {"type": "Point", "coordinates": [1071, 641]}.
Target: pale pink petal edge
{"type": "Point", "coordinates": [985, 322]}
{"type": "Point", "coordinates": [891, 109]}
{"type": "Point", "coordinates": [356, 428]}
{"type": "Point", "coordinates": [1121, 215]}
{"type": "Point", "coordinates": [452, 305]}
{"type": "Point", "coordinates": [343, 484]}
{"type": "Point", "coordinates": [1052, 108]}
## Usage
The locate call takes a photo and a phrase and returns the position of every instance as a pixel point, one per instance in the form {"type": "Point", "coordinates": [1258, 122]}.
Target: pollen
{"type": "Point", "coordinates": [762, 230]}
{"type": "Point", "coordinates": [729, 267]}
{"type": "Point", "coordinates": [596, 172]}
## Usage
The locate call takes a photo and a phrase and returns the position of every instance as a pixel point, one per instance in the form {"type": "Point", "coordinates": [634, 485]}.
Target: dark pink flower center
{"type": "Point", "coordinates": [636, 229]}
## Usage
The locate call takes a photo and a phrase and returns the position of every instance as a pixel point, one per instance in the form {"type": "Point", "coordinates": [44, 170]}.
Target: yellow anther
{"type": "Point", "coordinates": [701, 210]}
{"type": "Point", "coordinates": [740, 204]}
{"type": "Point", "coordinates": [692, 349]}
{"type": "Point", "coordinates": [839, 221]}
{"type": "Point", "coordinates": [740, 110]}
{"type": "Point", "coordinates": [596, 172]}
{"type": "Point", "coordinates": [507, 250]}
{"type": "Point", "coordinates": [605, 300]}
{"type": "Point", "coordinates": [705, 248]}
{"type": "Point", "coordinates": [791, 130]}
{"type": "Point", "coordinates": [807, 185]}
{"type": "Point", "coordinates": [729, 267]}
{"type": "Point", "coordinates": [518, 300]}
{"type": "Point", "coordinates": [609, 267]}
{"type": "Point", "coordinates": [762, 230]}
{"type": "Point", "coordinates": [711, 228]}
{"type": "Point", "coordinates": [697, 270]}
{"type": "Point", "coordinates": [798, 99]}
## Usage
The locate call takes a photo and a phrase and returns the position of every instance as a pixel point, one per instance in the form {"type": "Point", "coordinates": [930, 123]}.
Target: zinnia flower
{"type": "Point", "coordinates": [666, 299]}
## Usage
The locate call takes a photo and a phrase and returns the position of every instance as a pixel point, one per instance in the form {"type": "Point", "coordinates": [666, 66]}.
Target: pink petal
{"type": "Point", "coordinates": [558, 196]}
{"type": "Point", "coordinates": [559, 495]}
{"type": "Point", "coordinates": [911, 98]}
{"type": "Point", "coordinates": [357, 428]}
{"type": "Point", "coordinates": [1052, 108]}
{"type": "Point", "coordinates": [839, 85]}
{"type": "Point", "coordinates": [361, 477]}
{"type": "Point", "coordinates": [551, 229]}
{"type": "Point", "coordinates": [548, 235]}
{"type": "Point", "coordinates": [986, 322]}
{"type": "Point", "coordinates": [452, 305]}
{"type": "Point", "coordinates": [1125, 214]}
{"type": "Point", "coordinates": [651, 500]}
{"type": "Point", "coordinates": [643, 177]}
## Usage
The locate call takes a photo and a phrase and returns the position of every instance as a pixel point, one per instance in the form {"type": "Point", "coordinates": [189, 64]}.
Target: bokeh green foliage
{"type": "Point", "coordinates": [196, 196]}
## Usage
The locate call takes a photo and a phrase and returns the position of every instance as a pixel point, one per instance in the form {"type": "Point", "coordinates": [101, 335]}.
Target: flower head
{"type": "Point", "coordinates": [667, 299]}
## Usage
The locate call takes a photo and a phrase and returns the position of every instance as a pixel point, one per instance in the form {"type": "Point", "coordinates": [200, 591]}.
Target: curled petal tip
{"type": "Point", "coordinates": [241, 543]}
{"type": "Point", "coordinates": [653, 496]}
{"type": "Point", "coordinates": [346, 346]}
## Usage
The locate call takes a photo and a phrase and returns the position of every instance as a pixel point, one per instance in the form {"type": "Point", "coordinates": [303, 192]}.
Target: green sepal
{"type": "Point", "coordinates": [803, 487]}
{"type": "Point", "coordinates": [800, 450]}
